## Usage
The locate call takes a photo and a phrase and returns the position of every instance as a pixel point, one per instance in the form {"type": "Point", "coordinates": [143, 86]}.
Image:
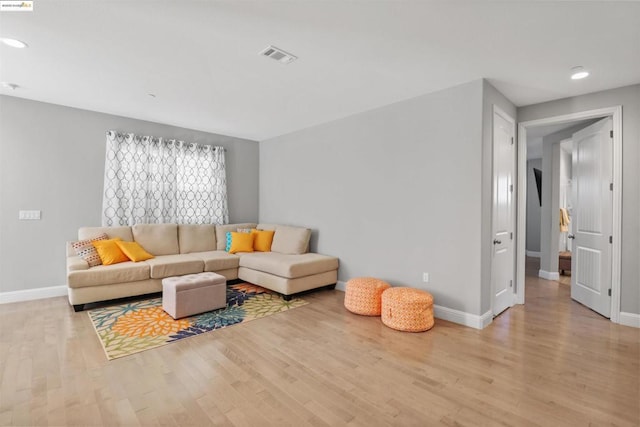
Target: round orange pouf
{"type": "Point", "coordinates": [362, 295]}
{"type": "Point", "coordinates": [407, 309]}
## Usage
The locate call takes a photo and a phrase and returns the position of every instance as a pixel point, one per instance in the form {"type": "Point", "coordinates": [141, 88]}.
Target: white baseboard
{"type": "Point", "coordinates": [341, 286]}
{"type": "Point", "coordinates": [31, 294]}
{"type": "Point", "coordinates": [462, 318]}
{"type": "Point", "coordinates": [549, 275]}
{"type": "Point", "coordinates": [533, 254]}
{"type": "Point", "coordinates": [486, 319]}
{"type": "Point", "coordinates": [629, 319]}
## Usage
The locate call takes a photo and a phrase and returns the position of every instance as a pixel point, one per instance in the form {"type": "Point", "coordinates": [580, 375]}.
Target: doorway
{"type": "Point", "coordinates": [530, 130]}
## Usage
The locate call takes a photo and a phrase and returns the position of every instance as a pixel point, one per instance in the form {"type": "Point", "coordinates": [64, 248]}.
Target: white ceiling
{"type": "Point", "coordinates": [201, 57]}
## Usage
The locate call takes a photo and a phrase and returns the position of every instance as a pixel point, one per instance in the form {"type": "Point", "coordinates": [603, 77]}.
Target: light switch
{"type": "Point", "coordinates": [29, 215]}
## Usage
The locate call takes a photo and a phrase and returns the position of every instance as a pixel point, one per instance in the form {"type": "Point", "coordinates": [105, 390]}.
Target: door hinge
{"type": "Point", "coordinates": [610, 134]}
{"type": "Point", "coordinates": [611, 186]}
{"type": "Point", "coordinates": [610, 239]}
{"type": "Point", "coordinates": [512, 140]}
{"type": "Point", "coordinates": [609, 291]}
{"type": "Point", "coordinates": [511, 188]}
{"type": "Point", "coordinates": [511, 283]}
{"type": "Point", "coordinates": [511, 235]}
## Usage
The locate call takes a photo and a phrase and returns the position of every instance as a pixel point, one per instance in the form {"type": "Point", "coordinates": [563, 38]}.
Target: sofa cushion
{"type": "Point", "coordinates": [109, 274]}
{"type": "Point", "coordinates": [239, 242]}
{"type": "Point", "coordinates": [262, 240]}
{"type": "Point", "coordinates": [289, 266]}
{"type": "Point", "coordinates": [287, 286]}
{"type": "Point", "coordinates": [109, 251]}
{"type": "Point", "coordinates": [134, 251]}
{"type": "Point", "coordinates": [267, 227]}
{"type": "Point", "coordinates": [174, 265]}
{"type": "Point", "coordinates": [217, 260]}
{"type": "Point", "coordinates": [221, 233]}
{"type": "Point", "coordinates": [157, 239]}
{"type": "Point", "coordinates": [124, 233]}
{"type": "Point", "coordinates": [196, 238]}
{"type": "Point", "coordinates": [86, 250]}
{"type": "Point", "coordinates": [291, 240]}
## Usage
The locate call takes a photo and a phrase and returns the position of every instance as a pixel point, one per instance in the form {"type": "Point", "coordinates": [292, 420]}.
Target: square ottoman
{"type": "Point", "coordinates": [192, 294]}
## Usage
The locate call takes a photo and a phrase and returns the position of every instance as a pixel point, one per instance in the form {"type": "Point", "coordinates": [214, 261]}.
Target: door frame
{"type": "Point", "coordinates": [616, 114]}
{"type": "Point", "coordinates": [514, 203]}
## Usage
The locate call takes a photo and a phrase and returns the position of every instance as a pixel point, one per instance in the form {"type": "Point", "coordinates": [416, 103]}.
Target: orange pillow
{"type": "Point", "coordinates": [241, 242]}
{"type": "Point", "coordinates": [134, 251]}
{"type": "Point", "coordinates": [262, 240]}
{"type": "Point", "coordinates": [109, 251]}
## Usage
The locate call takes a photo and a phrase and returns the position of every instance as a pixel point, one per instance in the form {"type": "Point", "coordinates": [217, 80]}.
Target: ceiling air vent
{"type": "Point", "coordinates": [278, 54]}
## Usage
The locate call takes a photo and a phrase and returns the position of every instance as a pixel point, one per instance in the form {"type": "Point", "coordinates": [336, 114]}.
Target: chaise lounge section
{"type": "Point", "coordinates": [181, 249]}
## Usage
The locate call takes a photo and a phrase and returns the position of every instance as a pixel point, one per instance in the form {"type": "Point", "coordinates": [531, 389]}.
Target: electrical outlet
{"type": "Point", "coordinates": [425, 277]}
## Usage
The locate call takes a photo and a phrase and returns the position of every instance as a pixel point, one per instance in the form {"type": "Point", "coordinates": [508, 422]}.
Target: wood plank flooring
{"type": "Point", "coordinates": [551, 362]}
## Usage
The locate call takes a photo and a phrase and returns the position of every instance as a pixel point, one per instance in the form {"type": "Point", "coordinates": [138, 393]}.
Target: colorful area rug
{"type": "Point", "coordinates": [137, 326]}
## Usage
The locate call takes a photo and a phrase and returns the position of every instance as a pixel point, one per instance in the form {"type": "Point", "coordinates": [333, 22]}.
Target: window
{"type": "Point", "coordinates": [154, 180]}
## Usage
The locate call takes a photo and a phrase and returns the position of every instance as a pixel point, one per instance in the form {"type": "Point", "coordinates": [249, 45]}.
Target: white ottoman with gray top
{"type": "Point", "coordinates": [184, 296]}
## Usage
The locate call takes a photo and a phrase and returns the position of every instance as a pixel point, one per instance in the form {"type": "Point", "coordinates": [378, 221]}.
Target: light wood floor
{"type": "Point", "coordinates": [551, 362]}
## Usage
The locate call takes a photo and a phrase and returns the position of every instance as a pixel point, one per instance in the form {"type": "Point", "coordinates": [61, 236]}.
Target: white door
{"type": "Point", "coordinates": [592, 216]}
{"type": "Point", "coordinates": [503, 261]}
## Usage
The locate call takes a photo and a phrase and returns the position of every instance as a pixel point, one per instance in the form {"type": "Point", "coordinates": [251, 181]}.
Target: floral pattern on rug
{"type": "Point", "coordinates": [137, 326]}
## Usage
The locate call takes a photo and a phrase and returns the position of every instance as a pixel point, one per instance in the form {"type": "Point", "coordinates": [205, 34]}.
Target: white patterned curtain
{"type": "Point", "coordinates": [154, 180]}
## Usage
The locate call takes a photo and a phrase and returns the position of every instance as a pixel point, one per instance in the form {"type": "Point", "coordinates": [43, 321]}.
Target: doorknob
{"type": "Point", "coordinates": [571, 236]}
{"type": "Point", "coordinates": [496, 241]}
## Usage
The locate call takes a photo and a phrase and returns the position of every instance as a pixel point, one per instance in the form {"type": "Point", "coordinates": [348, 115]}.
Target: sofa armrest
{"type": "Point", "coordinates": [75, 263]}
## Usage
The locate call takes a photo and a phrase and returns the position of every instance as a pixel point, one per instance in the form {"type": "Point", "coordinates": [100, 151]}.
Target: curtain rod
{"type": "Point", "coordinates": [122, 134]}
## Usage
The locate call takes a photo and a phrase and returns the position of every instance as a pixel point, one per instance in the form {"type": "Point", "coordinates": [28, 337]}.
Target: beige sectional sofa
{"type": "Point", "coordinates": [180, 249]}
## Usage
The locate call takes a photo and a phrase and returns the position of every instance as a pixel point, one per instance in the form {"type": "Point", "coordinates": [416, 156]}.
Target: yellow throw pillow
{"type": "Point", "coordinates": [134, 251]}
{"type": "Point", "coordinates": [109, 252]}
{"type": "Point", "coordinates": [241, 242]}
{"type": "Point", "coordinates": [262, 240]}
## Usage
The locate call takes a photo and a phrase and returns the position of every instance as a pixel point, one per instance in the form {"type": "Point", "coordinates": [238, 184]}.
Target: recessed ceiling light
{"type": "Point", "coordinates": [14, 43]}
{"type": "Point", "coordinates": [8, 85]}
{"type": "Point", "coordinates": [578, 73]}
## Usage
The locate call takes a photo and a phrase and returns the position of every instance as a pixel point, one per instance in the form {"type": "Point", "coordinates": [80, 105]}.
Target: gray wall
{"type": "Point", "coordinates": [393, 192]}
{"type": "Point", "coordinates": [490, 97]}
{"type": "Point", "coordinates": [629, 98]}
{"type": "Point", "coordinates": [52, 159]}
{"type": "Point", "coordinates": [549, 218]}
{"type": "Point", "coordinates": [533, 207]}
